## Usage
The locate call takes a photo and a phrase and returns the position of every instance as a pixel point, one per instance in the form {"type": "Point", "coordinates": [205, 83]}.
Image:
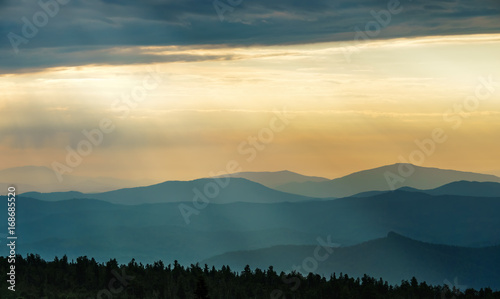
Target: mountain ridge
{"type": "Point", "coordinates": [394, 257]}
{"type": "Point", "coordinates": [377, 179]}
{"type": "Point", "coordinates": [273, 179]}
{"type": "Point", "coordinates": [458, 188]}
{"type": "Point", "coordinates": [237, 189]}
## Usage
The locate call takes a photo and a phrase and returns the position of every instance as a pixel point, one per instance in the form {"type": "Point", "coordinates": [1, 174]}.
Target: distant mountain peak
{"type": "Point", "coordinates": [394, 235]}
{"type": "Point", "coordinates": [273, 179]}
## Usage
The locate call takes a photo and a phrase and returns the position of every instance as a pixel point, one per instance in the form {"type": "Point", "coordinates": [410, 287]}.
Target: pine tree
{"type": "Point", "coordinates": [201, 289]}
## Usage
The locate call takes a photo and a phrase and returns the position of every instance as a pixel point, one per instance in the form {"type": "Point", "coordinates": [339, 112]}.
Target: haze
{"type": "Point", "coordinates": [351, 105]}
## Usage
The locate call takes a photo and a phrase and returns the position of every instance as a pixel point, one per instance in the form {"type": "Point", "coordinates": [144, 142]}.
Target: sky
{"type": "Point", "coordinates": [177, 89]}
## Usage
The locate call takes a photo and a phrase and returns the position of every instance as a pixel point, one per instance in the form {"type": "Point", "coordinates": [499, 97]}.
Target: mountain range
{"type": "Point", "coordinates": [219, 191]}
{"type": "Point", "coordinates": [380, 179]}
{"type": "Point", "coordinates": [257, 187]}
{"type": "Point", "coordinates": [451, 220]}
{"type": "Point", "coordinates": [244, 222]}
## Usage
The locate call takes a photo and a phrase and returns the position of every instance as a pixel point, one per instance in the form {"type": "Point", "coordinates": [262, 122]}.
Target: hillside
{"type": "Point", "coordinates": [394, 258]}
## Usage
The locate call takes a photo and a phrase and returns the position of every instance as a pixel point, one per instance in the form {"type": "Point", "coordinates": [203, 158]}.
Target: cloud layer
{"type": "Point", "coordinates": [87, 31]}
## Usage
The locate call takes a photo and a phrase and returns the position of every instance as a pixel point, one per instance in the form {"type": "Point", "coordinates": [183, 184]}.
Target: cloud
{"type": "Point", "coordinates": [39, 59]}
{"type": "Point", "coordinates": [86, 32]}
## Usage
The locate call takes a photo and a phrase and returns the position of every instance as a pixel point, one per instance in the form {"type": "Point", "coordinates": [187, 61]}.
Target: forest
{"type": "Point", "coordinates": [87, 278]}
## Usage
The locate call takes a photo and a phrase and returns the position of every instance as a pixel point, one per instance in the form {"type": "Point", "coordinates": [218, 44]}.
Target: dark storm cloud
{"type": "Point", "coordinates": [90, 24]}
{"type": "Point", "coordinates": [34, 60]}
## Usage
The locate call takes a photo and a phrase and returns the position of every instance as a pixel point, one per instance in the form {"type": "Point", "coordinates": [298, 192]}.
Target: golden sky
{"type": "Point", "coordinates": [348, 107]}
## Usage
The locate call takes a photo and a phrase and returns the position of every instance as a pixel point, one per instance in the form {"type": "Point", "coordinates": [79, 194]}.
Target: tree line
{"type": "Point", "coordinates": [87, 278]}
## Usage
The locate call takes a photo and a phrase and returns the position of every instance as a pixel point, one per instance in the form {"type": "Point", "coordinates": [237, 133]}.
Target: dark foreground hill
{"type": "Point", "coordinates": [394, 258]}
